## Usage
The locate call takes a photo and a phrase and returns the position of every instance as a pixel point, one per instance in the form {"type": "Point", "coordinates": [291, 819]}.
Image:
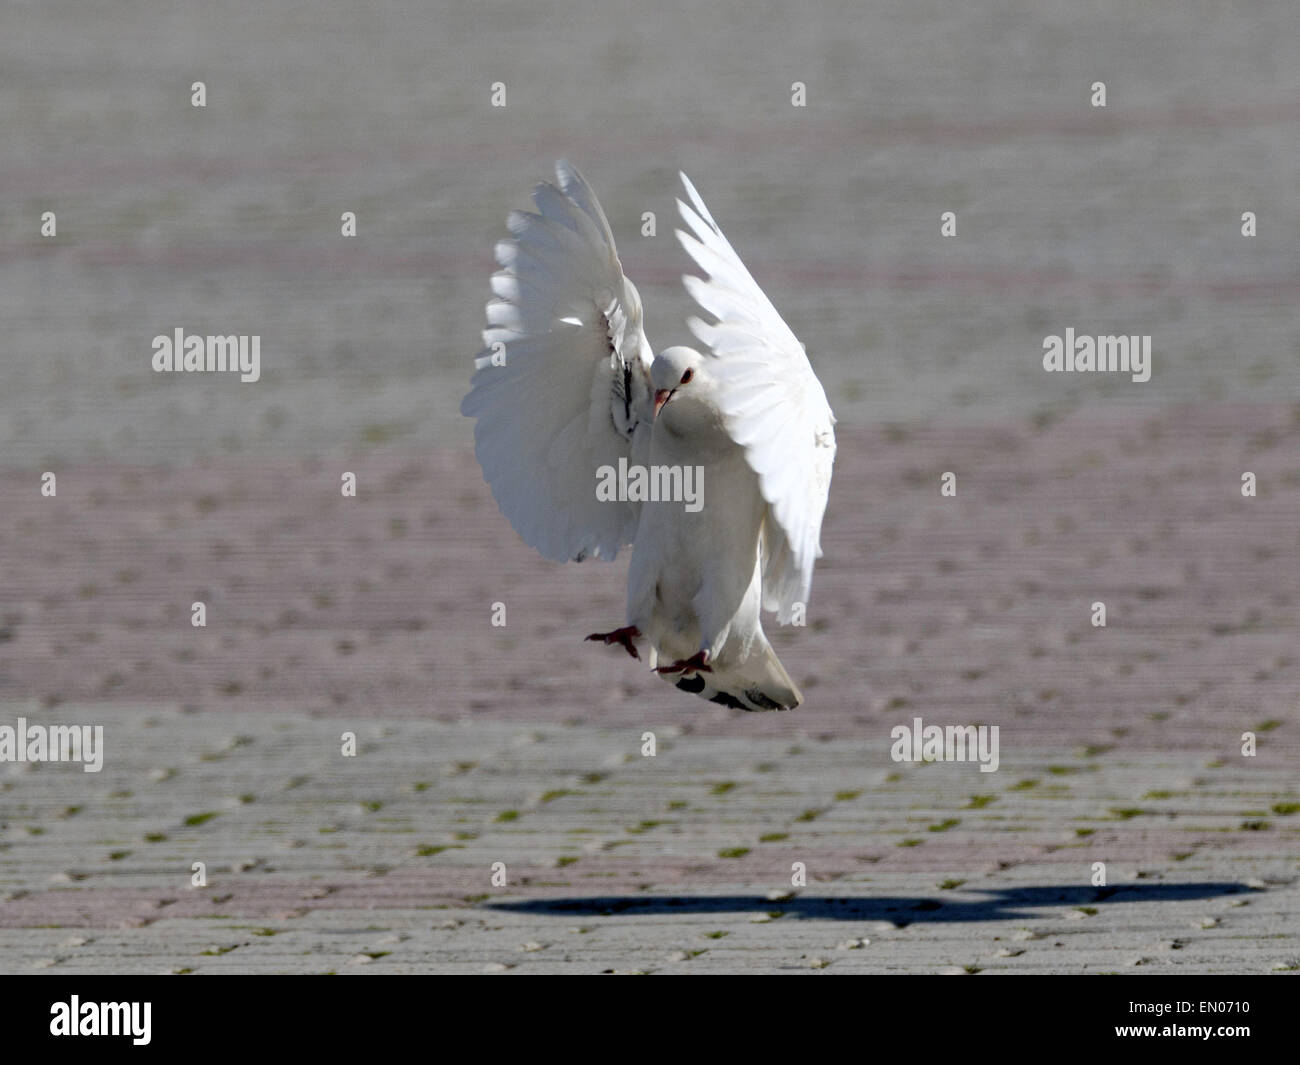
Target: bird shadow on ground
{"type": "Point", "coordinates": [997, 905]}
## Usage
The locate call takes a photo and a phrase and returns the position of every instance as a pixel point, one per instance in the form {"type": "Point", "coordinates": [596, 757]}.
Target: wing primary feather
{"type": "Point", "coordinates": [568, 395]}
{"type": "Point", "coordinates": [771, 401]}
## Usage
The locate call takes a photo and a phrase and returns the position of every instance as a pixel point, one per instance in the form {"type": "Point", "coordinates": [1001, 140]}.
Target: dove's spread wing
{"type": "Point", "coordinates": [772, 402]}
{"type": "Point", "coordinates": [563, 386]}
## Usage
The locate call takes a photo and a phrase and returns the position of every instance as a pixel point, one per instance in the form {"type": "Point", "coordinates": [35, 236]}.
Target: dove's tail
{"type": "Point", "coordinates": [760, 682]}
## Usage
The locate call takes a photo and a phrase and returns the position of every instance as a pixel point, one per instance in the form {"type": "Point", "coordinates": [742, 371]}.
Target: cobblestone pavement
{"type": "Point", "coordinates": [523, 746]}
{"type": "Point", "coordinates": [615, 861]}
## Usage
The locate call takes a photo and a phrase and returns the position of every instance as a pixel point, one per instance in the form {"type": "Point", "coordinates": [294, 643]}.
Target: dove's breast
{"type": "Point", "coordinates": [693, 575]}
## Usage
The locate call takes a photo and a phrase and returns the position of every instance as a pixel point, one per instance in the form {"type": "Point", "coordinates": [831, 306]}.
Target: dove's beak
{"type": "Point", "coordinates": [662, 397]}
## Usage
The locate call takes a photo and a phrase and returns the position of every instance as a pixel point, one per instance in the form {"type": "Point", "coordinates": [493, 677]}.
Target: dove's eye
{"type": "Point", "coordinates": [687, 376]}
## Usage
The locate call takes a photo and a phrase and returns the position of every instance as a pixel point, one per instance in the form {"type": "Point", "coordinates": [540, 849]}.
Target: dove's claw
{"type": "Point", "coordinates": [697, 663]}
{"type": "Point", "coordinates": [623, 637]}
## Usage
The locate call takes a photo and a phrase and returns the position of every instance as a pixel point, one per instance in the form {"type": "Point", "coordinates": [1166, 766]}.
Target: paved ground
{"type": "Point", "coordinates": [619, 862]}
{"type": "Point", "coordinates": [522, 745]}
{"type": "Point", "coordinates": [226, 220]}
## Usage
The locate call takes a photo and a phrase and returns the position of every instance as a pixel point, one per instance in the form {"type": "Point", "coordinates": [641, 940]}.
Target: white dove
{"type": "Point", "coordinates": [567, 384]}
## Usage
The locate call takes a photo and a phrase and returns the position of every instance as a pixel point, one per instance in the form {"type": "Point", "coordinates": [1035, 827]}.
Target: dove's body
{"type": "Point", "coordinates": [696, 580]}
{"type": "Point", "coordinates": [567, 386]}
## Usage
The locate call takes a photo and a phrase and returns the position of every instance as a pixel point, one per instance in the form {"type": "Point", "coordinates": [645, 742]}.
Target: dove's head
{"type": "Point", "coordinates": [678, 375]}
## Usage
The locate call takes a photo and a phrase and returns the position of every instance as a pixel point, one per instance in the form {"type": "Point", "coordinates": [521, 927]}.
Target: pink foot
{"type": "Point", "coordinates": [623, 637]}
{"type": "Point", "coordinates": [697, 663]}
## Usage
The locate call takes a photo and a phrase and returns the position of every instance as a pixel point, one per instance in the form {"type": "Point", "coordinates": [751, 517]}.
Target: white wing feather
{"type": "Point", "coordinates": [568, 391]}
{"type": "Point", "coordinates": [773, 405]}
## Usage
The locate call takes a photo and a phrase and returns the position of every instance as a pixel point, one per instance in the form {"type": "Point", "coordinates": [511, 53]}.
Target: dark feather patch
{"type": "Point", "coordinates": [694, 684]}
{"type": "Point", "coordinates": [759, 699]}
